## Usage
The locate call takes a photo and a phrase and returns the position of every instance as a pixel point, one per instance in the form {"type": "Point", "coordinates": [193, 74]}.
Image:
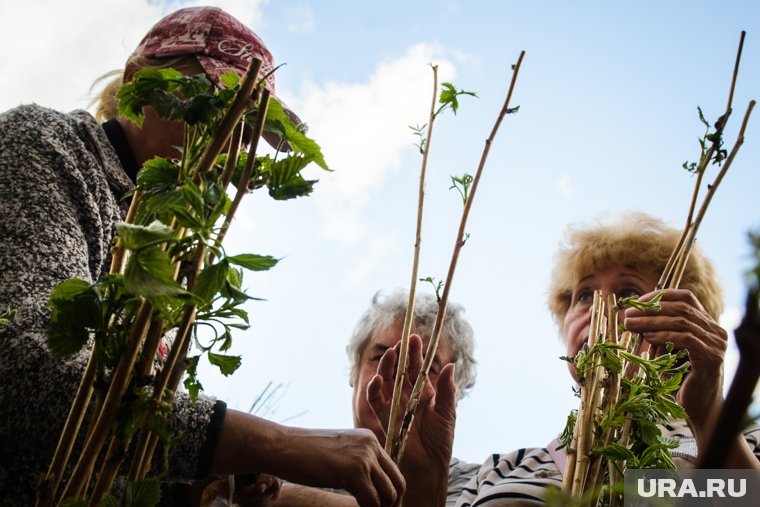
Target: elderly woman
{"type": "Point", "coordinates": [433, 475]}
{"type": "Point", "coordinates": [626, 258]}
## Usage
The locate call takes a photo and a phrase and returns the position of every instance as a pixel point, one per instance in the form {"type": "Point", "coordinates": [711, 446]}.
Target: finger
{"type": "Point", "coordinates": [386, 490]}
{"type": "Point", "coordinates": [414, 362]}
{"type": "Point", "coordinates": [375, 391]}
{"type": "Point", "coordinates": [446, 391]}
{"type": "Point", "coordinates": [387, 365]}
{"type": "Point", "coordinates": [388, 471]}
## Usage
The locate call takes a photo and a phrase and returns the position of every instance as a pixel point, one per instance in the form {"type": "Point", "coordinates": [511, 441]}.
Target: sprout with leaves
{"type": "Point", "coordinates": [170, 276]}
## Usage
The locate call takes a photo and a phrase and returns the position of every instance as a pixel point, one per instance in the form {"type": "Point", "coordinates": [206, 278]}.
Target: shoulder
{"type": "Point", "coordinates": [34, 117]}
{"type": "Point", "coordinates": [33, 127]}
{"type": "Point", "coordinates": [521, 475]}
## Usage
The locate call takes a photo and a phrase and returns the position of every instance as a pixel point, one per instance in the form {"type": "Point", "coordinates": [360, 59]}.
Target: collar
{"type": "Point", "coordinates": [115, 134]}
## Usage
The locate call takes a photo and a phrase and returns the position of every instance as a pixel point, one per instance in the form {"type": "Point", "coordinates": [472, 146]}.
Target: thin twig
{"type": "Point", "coordinates": [409, 317]}
{"type": "Point", "coordinates": [398, 450]}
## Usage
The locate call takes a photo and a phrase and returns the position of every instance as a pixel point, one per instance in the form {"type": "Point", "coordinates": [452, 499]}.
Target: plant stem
{"type": "Point", "coordinates": [80, 477]}
{"type": "Point", "coordinates": [390, 436]}
{"type": "Point", "coordinates": [49, 485]}
{"type": "Point", "coordinates": [712, 188]}
{"type": "Point", "coordinates": [414, 400]}
{"type": "Point", "coordinates": [245, 177]}
{"type": "Point", "coordinates": [231, 119]}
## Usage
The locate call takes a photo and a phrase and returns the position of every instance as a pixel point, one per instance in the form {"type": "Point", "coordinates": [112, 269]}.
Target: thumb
{"type": "Point", "coordinates": [446, 391]}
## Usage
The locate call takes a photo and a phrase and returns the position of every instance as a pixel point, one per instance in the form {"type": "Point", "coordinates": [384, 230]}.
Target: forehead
{"type": "Point", "coordinates": [617, 273]}
{"type": "Point", "coordinates": [385, 337]}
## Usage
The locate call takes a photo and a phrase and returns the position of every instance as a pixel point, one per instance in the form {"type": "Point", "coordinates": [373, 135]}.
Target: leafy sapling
{"type": "Point", "coordinates": [449, 98]}
{"type": "Point", "coordinates": [170, 273]}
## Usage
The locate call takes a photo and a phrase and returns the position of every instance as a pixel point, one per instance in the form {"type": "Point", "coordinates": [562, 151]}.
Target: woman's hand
{"type": "Point", "coordinates": [344, 459]}
{"type": "Point", "coordinates": [426, 458]}
{"type": "Point", "coordinates": [683, 322]}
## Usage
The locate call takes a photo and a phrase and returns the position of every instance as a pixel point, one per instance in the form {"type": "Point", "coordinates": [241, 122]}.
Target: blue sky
{"type": "Point", "coordinates": [608, 94]}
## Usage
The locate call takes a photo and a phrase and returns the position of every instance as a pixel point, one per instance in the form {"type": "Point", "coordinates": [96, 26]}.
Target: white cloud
{"type": "Point", "coordinates": [566, 186]}
{"type": "Point", "coordinates": [55, 50]}
{"type": "Point", "coordinates": [300, 19]}
{"type": "Point", "coordinates": [376, 252]}
{"type": "Point", "coordinates": [363, 130]}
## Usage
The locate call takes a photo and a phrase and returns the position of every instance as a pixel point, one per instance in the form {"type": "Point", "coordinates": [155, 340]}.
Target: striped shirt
{"type": "Point", "coordinates": [520, 478]}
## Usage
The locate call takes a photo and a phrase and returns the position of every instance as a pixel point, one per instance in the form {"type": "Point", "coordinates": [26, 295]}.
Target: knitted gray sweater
{"type": "Point", "coordinates": [61, 185]}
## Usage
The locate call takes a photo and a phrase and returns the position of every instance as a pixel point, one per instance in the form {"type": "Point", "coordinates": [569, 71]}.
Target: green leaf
{"type": "Point", "coordinates": [157, 175]}
{"type": "Point", "coordinates": [211, 280]}
{"type": "Point", "coordinates": [135, 237]}
{"type": "Point", "coordinates": [108, 501]}
{"type": "Point", "coordinates": [191, 383]}
{"type": "Point", "coordinates": [279, 122]}
{"type": "Point", "coordinates": [226, 364]}
{"type": "Point", "coordinates": [616, 452]}
{"type": "Point", "coordinates": [143, 493]}
{"type": "Point", "coordinates": [230, 79]}
{"type": "Point", "coordinates": [149, 273]}
{"type": "Point", "coordinates": [450, 97]}
{"type": "Point", "coordinates": [75, 312]}
{"type": "Point", "coordinates": [7, 316]}
{"type": "Point", "coordinates": [70, 289]}
{"type": "Point", "coordinates": [253, 262]}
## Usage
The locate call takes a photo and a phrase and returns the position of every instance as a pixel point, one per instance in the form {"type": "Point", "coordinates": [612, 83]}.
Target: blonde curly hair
{"type": "Point", "coordinates": [636, 240]}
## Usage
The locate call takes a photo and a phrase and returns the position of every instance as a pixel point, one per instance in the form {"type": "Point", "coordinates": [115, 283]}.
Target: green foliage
{"type": "Point", "coordinates": [631, 421]}
{"type": "Point", "coordinates": [144, 493]}
{"type": "Point", "coordinates": [76, 310]}
{"type": "Point", "coordinates": [437, 285]}
{"type": "Point", "coordinates": [633, 302]}
{"type": "Point", "coordinates": [174, 255]}
{"type": "Point", "coordinates": [6, 316]}
{"type": "Point", "coordinates": [278, 122]}
{"type": "Point", "coordinates": [449, 97]}
{"type": "Point", "coordinates": [419, 133]}
{"type": "Point", "coordinates": [462, 185]}
{"type": "Point", "coordinates": [709, 140]}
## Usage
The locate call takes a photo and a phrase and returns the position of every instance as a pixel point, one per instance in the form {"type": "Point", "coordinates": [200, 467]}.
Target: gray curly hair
{"type": "Point", "coordinates": [385, 309]}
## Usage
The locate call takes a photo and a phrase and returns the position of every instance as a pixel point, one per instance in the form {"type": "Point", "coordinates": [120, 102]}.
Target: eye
{"type": "Point", "coordinates": [628, 292]}
{"type": "Point", "coordinates": [583, 297]}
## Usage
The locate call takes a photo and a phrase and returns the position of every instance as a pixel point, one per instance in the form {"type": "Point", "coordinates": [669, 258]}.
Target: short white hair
{"type": "Point", "coordinates": [385, 309]}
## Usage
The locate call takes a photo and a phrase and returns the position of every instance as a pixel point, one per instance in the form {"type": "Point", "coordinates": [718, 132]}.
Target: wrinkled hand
{"type": "Point", "coordinates": [431, 438]}
{"type": "Point", "coordinates": [262, 493]}
{"type": "Point", "coordinates": [352, 460]}
{"type": "Point", "coordinates": [683, 322]}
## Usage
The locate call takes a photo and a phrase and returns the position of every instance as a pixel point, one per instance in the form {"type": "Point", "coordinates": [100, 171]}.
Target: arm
{"type": "Point", "coordinates": [684, 322]}
{"type": "Point", "coordinates": [296, 495]}
{"type": "Point", "coordinates": [346, 459]}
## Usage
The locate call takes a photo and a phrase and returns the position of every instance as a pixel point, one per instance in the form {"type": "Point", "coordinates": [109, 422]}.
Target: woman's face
{"type": "Point", "coordinates": [622, 281]}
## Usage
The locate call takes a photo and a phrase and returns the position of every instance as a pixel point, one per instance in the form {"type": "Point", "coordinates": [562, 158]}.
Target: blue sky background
{"type": "Point", "coordinates": [608, 94]}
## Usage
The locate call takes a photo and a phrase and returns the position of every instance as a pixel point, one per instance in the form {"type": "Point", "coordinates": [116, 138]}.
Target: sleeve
{"type": "Point", "coordinates": [460, 474]}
